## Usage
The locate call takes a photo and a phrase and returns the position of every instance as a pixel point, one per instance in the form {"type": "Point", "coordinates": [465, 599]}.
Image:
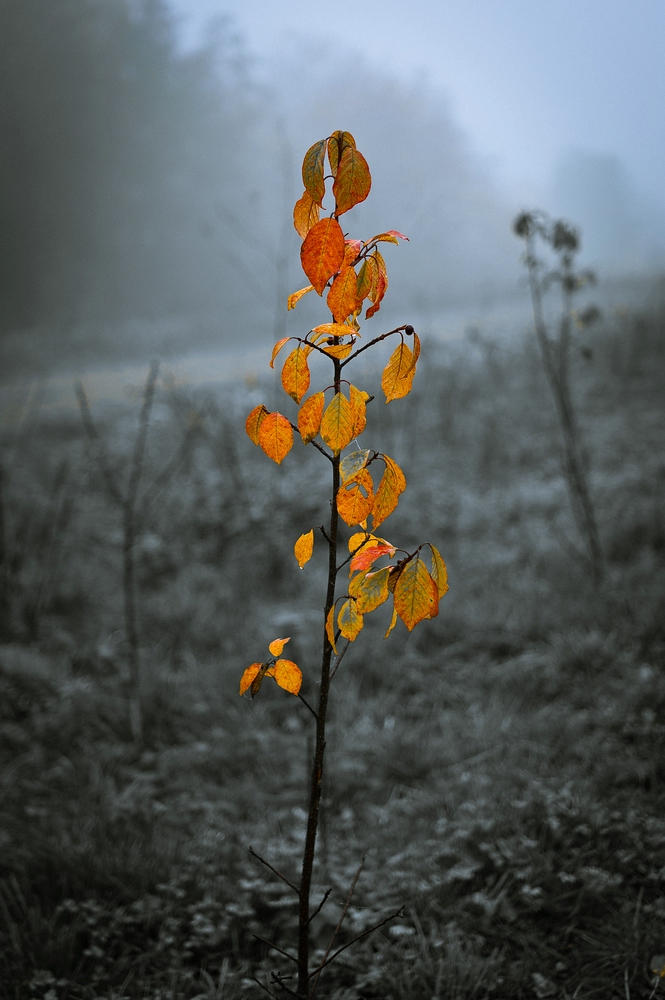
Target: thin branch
{"type": "Point", "coordinates": [277, 978]}
{"type": "Point", "coordinates": [139, 445]}
{"type": "Point", "coordinates": [340, 658]}
{"type": "Point", "coordinates": [272, 869]}
{"type": "Point", "coordinates": [320, 906]}
{"type": "Point", "coordinates": [365, 347]}
{"type": "Point", "coordinates": [307, 705]}
{"type": "Point", "coordinates": [359, 937]}
{"type": "Point", "coordinates": [315, 443]}
{"type": "Point", "coordinates": [264, 988]}
{"type": "Point", "coordinates": [271, 944]}
{"type": "Point", "coordinates": [340, 921]}
{"type": "Point", "coordinates": [324, 533]}
{"type": "Point", "coordinates": [93, 435]}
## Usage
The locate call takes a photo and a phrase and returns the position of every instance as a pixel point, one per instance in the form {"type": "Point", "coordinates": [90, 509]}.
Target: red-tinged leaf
{"type": "Point", "coordinates": [367, 277]}
{"type": "Point", "coordinates": [416, 593]}
{"type": "Point", "coordinates": [397, 377]}
{"type": "Point", "coordinates": [304, 547]}
{"type": "Point", "coordinates": [337, 143]}
{"type": "Point", "coordinates": [295, 297]}
{"type": "Point", "coordinates": [372, 591]}
{"type": "Point", "coordinates": [416, 348]}
{"type": "Point", "coordinates": [295, 373]}
{"type": "Point", "coordinates": [392, 485]}
{"type": "Point", "coordinates": [280, 343]}
{"type": "Point", "coordinates": [288, 675]}
{"type": "Point", "coordinates": [358, 399]}
{"type": "Point", "coordinates": [276, 436]}
{"type": "Point", "coordinates": [312, 172]}
{"type": "Point", "coordinates": [337, 423]}
{"type": "Point", "coordinates": [340, 351]}
{"type": "Point", "coordinates": [352, 463]}
{"type": "Point", "coordinates": [353, 505]}
{"type": "Point", "coordinates": [330, 628]}
{"type": "Point", "coordinates": [277, 645]}
{"type": "Point", "coordinates": [353, 248]}
{"type": "Point", "coordinates": [309, 417]}
{"type": "Point", "coordinates": [393, 622]}
{"type": "Point", "coordinates": [352, 180]}
{"type": "Point", "coordinates": [249, 676]}
{"type": "Point", "coordinates": [369, 554]}
{"type": "Point", "coordinates": [305, 214]}
{"type": "Point", "coordinates": [343, 295]}
{"type": "Point", "coordinates": [378, 294]}
{"type": "Point", "coordinates": [322, 253]}
{"type": "Point", "coordinates": [349, 621]}
{"type": "Point", "coordinates": [392, 236]}
{"type": "Point", "coordinates": [254, 421]}
{"type": "Point", "coordinates": [439, 571]}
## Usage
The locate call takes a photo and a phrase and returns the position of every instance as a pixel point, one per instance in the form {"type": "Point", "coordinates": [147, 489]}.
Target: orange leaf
{"type": "Point", "coordinates": [388, 493]}
{"type": "Point", "coordinates": [312, 171]}
{"type": "Point", "coordinates": [349, 621]}
{"type": "Point", "coordinates": [332, 330]}
{"type": "Point", "coordinates": [439, 571]}
{"type": "Point", "coordinates": [353, 248]}
{"type": "Point", "coordinates": [416, 348]}
{"type": "Point", "coordinates": [295, 297]}
{"type": "Point", "coordinates": [288, 675]}
{"type": "Point", "coordinates": [303, 548]}
{"type": "Point", "coordinates": [249, 675]}
{"type": "Point", "coordinates": [352, 463]}
{"type": "Point", "coordinates": [254, 421]}
{"type": "Point", "coordinates": [276, 436]}
{"type": "Point", "coordinates": [352, 180]}
{"type": "Point", "coordinates": [337, 143]}
{"type": "Point", "coordinates": [305, 214]}
{"type": "Point", "coordinates": [390, 237]}
{"type": "Point", "coordinates": [393, 622]}
{"type": "Point", "coordinates": [358, 398]}
{"type": "Point", "coordinates": [343, 295]}
{"type": "Point", "coordinates": [416, 593]}
{"type": "Point", "coordinates": [372, 591]}
{"type": "Point", "coordinates": [322, 252]}
{"type": "Point", "coordinates": [309, 417]}
{"type": "Point", "coordinates": [353, 506]}
{"type": "Point", "coordinates": [295, 373]}
{"type": "Point", "coordinates": [277, 645]}
{"type": "Point", "coordinates": [330, 628]}
{"type": "Point", "coordinates": [279, 345]}
{"type": "Point", "coordinates": [337, 423]}
{"type": "Point", "coordinates": [379, 286]}
{"type": "Point", "coordinates": [369, 554]}
{"type": "Point", "coordinates": [397, 377]}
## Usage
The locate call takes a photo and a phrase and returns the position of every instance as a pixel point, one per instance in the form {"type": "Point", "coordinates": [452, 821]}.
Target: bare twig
{"type": "Point", "coordinates": [359, 937]}
{"type": "Point", "coordinates": [321, 905]}
{"type": "Point", "coordinates": [271, 944]}
{"type": "Point", "coordinates": [307, 705]}
{"type": "Point", "coordinates": [93, 435]}
{"type": "Point", "coordinates": [315, 443]}
{"type": "Point", "coordinates": [339, 922]}
{"type": "Point", "coordinates": [340, 658]}
{"type": "Point", "coordinates": [273, 869]}
{"type": "Point", "coordinates": [365, 347]}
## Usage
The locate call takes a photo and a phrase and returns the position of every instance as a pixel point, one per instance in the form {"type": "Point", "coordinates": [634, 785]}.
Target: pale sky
{"type": "Point", "coordinates": [528, 80]}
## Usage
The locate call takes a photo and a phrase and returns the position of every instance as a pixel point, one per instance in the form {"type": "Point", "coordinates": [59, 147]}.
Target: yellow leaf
{"type": "Point", "coordinates": [393, 622]}
{"type": "Point", "coordinates": [358, 400]}
{"type": "Point", "coordinates": [332, 330]}
{"type": "Point", "coordinates": [288, 675]}
{"type": "Point", "coordinates": [389, 237]}
{"type": "Point", "coordinates": [388, 493]}
{"type": "Point", "coordinates": [352, 463]}
{"type": "Point", "coordinates": [360, 538]}
{"type": "Point", "coordinates": [248, 676]}
{"type": "Point", "coordinates": [416, 593]}
{"type": "Point", "coordinates": [349, 621]}
{"type": "Point", "coordinates": [304, 547]}
{"type": "Point", "coordinates": [309, 417]}
{"type": "Point", "coordinates": [254, 421]}
{"type": "Point", "coordinates": [397, 377]}
{"type": "Point", "coordinates": [277, 645]}
{"type": "Point", "coordinates": [305, 214]}
{"type": "Point", "coordinates": [439, 571]}
{"type": "Point", "coordinates": [330, 628]}
{"type": "Point", "coordinates": [343, 295]}
{"type": "Point", "coordinates": [416, 347]}
{"type": "Point", "coordinates": [340, 351]}
{"type": "Point", "coordinates": [337, 143]}
{"type": "Point", "coordinates": [295, 373]}
{"type": "Point", "coordinates": [276, 436]}
{"type": "Point", "coordinates": [295, 297]}
{"type": "Point", "coordinates": [278, 346]}
{"type": "Point", "coordinates": [312, 171]}
{"type": "Point", "coordinates": [337, 423]}
{"type": "Point", "coordinates": [354, 506]}
{"type": "Point", "coordinates": [352, 180]}
{"type": "Point", "coordinates": [322, 253]}
{"type": "Point", "coordinates": [372, 590]}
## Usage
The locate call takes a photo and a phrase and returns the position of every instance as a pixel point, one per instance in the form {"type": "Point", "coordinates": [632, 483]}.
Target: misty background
{"type": "Point", "coordinates": [150, 158]}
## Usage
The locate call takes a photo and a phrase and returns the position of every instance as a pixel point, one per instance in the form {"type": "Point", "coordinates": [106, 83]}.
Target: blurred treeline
{"type": "Point", "coordinates": [140, 183]}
